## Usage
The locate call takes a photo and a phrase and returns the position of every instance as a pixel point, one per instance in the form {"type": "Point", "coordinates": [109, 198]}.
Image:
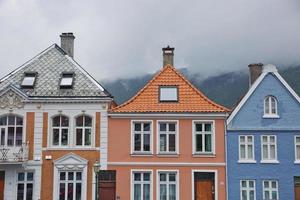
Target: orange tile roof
{"type": "Point", "coordinates": [190, 98]}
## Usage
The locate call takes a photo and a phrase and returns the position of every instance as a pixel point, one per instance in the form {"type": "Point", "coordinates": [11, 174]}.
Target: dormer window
{"type": "Point", "coordinates": [29, 80]}
{"type": "Point", "coordinates": [168, 93]}
{"type": "Point", "coordinates": [270, 107]}
{"type": "Point", "coordinates": [67, 80]}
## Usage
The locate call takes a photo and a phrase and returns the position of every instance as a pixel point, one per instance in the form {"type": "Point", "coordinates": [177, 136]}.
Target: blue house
{"type": "Point", "coordinates": [263, 140]}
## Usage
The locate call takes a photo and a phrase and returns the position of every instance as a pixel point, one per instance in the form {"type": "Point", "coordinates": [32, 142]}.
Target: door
{"type": "Point", "coordinates": [297, 192]}
{"type": "Point", "coordinates": [2, 180]}
{"type": "Point", "coordinates": [107, 185]}
{"type": "Point", "coordinates": [204, 190]}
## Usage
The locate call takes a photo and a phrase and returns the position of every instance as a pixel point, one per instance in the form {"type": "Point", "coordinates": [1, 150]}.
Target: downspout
{"type": "Point", "coordinates": [226, 169]}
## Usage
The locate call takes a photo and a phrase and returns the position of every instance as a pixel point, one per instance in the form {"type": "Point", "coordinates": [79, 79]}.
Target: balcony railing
{"type": "Point", "coordinates": [15, 154]}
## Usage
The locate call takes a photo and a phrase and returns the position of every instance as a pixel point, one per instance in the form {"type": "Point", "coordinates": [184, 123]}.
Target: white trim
{"type": "Point", "coordinates": [25, 182]}
{"type": "Point", "coordinates": [205, 171]}
{"type": "Point", "coordinates": [247, 188]}
{"type": "Point", "coordinates": [141, 153]}
{"type": "Point", "coordinates": [83, 127]}
{"type": "Point", "coordinates": [213, 138]}
{"type": "Point", "coordinates": [268, 100]}
{"type": "Point", "coordinates": [202, 164]}
{"type": "Point", "coordinates": [175, 115]}
{"type": "Point", "coordinates": [158, 181]}
{"type": "Point", "coordinates": [268, 160]}
{"type": "Point", "coordinates": [247, 160]}
{"type": "Point", "coordinates": [254, 86]}
{"type": "Point", "coordinates": [131, 181]}
{"type": "Point", "coordinates": [270, 189]}
{"type": "Point", "coordinates": [296, 144]}
{"type": "Point", "coordinates": [176, 152]}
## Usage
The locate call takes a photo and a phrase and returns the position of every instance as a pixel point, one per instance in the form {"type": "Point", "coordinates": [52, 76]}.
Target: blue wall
{"type": "Point", "coordinates": [249, 121]}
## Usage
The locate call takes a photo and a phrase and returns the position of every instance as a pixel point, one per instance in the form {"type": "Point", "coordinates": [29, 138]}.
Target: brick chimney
{"type": "Point", "coordinates": [168, 55]}
{"type": "Point", "coordinates": [67, 43]}
{"type": "Point", "coordinates": [255, 71]}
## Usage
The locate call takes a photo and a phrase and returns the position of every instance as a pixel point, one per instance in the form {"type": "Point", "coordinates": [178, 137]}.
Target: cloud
{"type": "Point", "coordinates": [124, 38]}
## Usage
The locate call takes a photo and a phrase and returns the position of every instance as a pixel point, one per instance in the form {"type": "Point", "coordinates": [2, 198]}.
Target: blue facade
{"type": "Point", "coordinates": [249, 120]}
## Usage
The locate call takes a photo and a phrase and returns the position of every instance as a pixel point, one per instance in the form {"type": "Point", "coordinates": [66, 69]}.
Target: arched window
{"type": "Point", "coordinates": [11, 130]}
{"type": "Point", "coordinates": [83, 130]}
{"type": "Point", "coordinates": [270, 106]}
{"type": "Point", "coordinates": [60, 130]}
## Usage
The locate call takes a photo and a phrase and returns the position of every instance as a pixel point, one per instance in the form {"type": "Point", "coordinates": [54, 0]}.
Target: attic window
{"type": "Point", "coordinates": [67, 80]}
{"type": "Point", "coordinates": [168, 93]}
{"type": "Point", "coordinates": [29, 79]}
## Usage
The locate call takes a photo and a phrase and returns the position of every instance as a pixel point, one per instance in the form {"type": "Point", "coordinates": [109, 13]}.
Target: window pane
{"type": "Point", "coordinates": [146, 195]}
{"type": "Point", "coordinates": [298, 140]}
{"type": "Point", "coordinates": [79, 121]}
{"type": "Point", "coordinates": [162, 177]}
{"type": "Point", "coordinates": [64, 121]}
{"type": "Point", "coordinates": [29, 191]}
{"type": "Point", "coordinates": [79, 136]}
{"type": "Point", "coordinates": [272, 139]}
{"type": "Point", "coordinates": [198, 142]}
{"type": "Point", "coordinates": [208, 127]}
{"type": "Point", "coordinates": [163, 192]}
{"type": "Point", "coordinates": [162, 127]}
{"type": "Point", "coordinates": [78, 191]}
{"type": "Point", "coordinates": [137, 126]}
{"type": "Point", "coordinates": [87, 121]}
{"type": "Point", "coordinates": [29, 176]}
{"type": "Point", "coordinates": [66, 81]}
{"type": "Point", "coordinates": [274, 184]}
{"type": "Point", "coordinates": [56, 121]}
{"type": "Point", "coordinates": [266, 184]}
{"type": "Point", "coordinates": [146, 142]}
{"type": "Point", "coordinates": [3, 121]}
{"type": "Point", "coordinates": [267, 110]}
{"type": "Point", "coordinates": [267, 195]}
{"type": "Point", "coordinates": [199, 127]}
{"type": "Point", "coordinates": [146, 126]}
{"type": "Point", "coordinates": [265, 151]}
{"type": "Point", "coordinates": [274, 195]}
{"type": "Point", "coordinates": [252, 197]}
{"type": "Point", "coordinates": [11, 120]}
{"type": "Point", "coordinates": [70, 191]}
{"type": "Point", "coordinates": [298, 152]}
{"type": "Point", "coordinates": [172, 192]}
{"type": "Point", "coordinates": [19, 135]}
{"type": "Point", "coordinates": [172, 142]}
{"type": "Point", "coordinates": [146, 176]}
{"type": "Point", "coordinates": [137, 176]}
{"type": "Point", "coordinates": [19, 121]}
{"type": "Point", "coordinates": [64, 137]}
{"type": "Point", "coordinates": [62, 191]}
{"type": "Point", "coordinates": [172, 127]}
{"type": "Point", "coordinates": [243, 153]}
{"type": "Point", "coordinates": [71, 176]}
{"type": "Point", "coordinates": [10, 136]}
{"type": "Point", "coordinates": [250, 151]}
{"type": "Point", "coordinates": [137, 192]}
{"type": "Point", "coordinates": [272, 153]}
{"type": "Point", "coordinates": [208, 143]}
{"type": "Point", "coordinates": [242, 139]}
{"type": "Point", "coordinates": [78, 176]}
{"type": "Point", "coordinates": [249, 139]}
{"type": "Point", "coordinates": [172, 177]}
{"type": "Point", "coordinates": [20, 192]}
{"type": "Point", "coordinates": [87, 136]}
{"type": "Point", "coordinates": [2, 136]}
{"type": "Point", "coordinates": [21, 176]}
{"type": "Point", "coordinates": [244, 195]}
{"type": "Point", "coordinates": [168, 93]}
{"type": "Point", "coordinates": [265, 139]}
{"type": "Point", "coordinates": [251, 184]}
{"type": "Point", "coordinates": [244, 184]}
{"type": "Point", "coordinates": [163, 142]}
{"type": "Point", "coordinates": [62, 176]}
{"type": "Point", "coordinates": [28, 81]}
{"type": "Point", "coordinates": [137, 142]}
{"type": "Point", "coordinates": [55, 137]}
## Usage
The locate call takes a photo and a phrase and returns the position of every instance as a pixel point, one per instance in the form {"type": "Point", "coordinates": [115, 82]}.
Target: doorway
{"type": "Point", "coordinates": [107, 185]}
{"type": "Point", "coordinates": [204, 185]}
{"type": "Point", "coordinates": [2, 182]}
{"type": "Point", "coordinates": [297, 187]}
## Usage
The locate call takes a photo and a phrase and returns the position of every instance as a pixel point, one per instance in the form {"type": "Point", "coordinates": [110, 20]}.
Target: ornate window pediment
{"type": "Point", "coordinates": [70, 161]}
{"type": "Point", "coordinates": [10, 99]}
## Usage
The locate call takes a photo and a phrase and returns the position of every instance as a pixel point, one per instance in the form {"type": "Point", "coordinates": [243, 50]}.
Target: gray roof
{"type": "Point", "coordinates": [49, 65]}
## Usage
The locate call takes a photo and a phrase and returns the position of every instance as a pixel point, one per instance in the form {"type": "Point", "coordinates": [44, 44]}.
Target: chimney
{"type": "Point", "coordinates": [67, 43]}
{"type": "Point", "coordinates": [168, 55]}
{"type": "Point", "coordinates": [255, 71]}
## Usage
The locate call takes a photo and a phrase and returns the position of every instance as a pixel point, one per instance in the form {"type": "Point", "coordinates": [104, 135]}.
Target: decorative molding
{"type": "Point", "coordinates": [11, 100]}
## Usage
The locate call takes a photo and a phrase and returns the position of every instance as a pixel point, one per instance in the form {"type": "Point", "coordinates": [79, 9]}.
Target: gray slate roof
{"type": "Point", "coordinates": [49, 65]}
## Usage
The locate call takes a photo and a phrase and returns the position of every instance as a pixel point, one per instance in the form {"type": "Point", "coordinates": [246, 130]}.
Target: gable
{"type": "Point", "coordinates": [250, 115]}
{"type": "Point", "coordinates": [11, 98]}
{"type": "Point", "coordinates": [189, 98]}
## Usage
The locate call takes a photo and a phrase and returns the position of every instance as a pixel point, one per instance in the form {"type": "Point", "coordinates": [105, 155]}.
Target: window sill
{"type": "Point", "coordinates": [269, 161]}
{"type": "Point", "coordinates": [271, 116]}
{"type": "Point", "coordinates": [72, 148]}
{"type": "Point", "coordinates": [140, 154]}
{"type": "Point", "coordinates": [168, 155]}
{"type": "Point", "coordinates": [246, 161]}
{"type": "Point", "coordinates": [297, 162]}
{"type": "Point", "coordinates": [206, 155]}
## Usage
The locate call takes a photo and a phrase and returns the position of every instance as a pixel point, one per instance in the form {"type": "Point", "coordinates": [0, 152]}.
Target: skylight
{"type": "Point", "coordinates": [29, 80]}
{"type": "Point", "coordinates": [168, 93]}
{"type": "Point", "coordinates": [67, 80]}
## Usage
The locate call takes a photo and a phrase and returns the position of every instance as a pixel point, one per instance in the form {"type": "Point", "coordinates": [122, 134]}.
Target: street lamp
{"type": "Point", "coordinates": [96, 170]}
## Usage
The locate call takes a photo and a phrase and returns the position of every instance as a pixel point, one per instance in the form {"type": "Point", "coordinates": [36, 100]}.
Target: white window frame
{"type": "Point", "coordinates": [268, 160]}
{"type": "Point", "coordinates": [15, 129]}
{"type": "Point", "coordinates": [168, 99]}
{"type": "Point", "coordinates": [132, 151]}
{"type": "Point", "coordinates": [297, 144]}
{"type": "Point", "coordinates": [142, 182]}
{"type": "Point", "coordinates": [213, 142]}
{"type": "Point", "coordinates": [270, 189]}
{"type": "Point", "coordinates": [167, 182]}
{"type": "Point", "coordinates": [25, 182]}
{"type": "Point", "coordinates": [247, 188]}
{"type": "Point", "coordinates": [60, 132]}
{"type": "Point", "coordinates": [83, 133]}
{"type": "Point", "coordinates": [67, 181]}
{"type": "Point", "coordinates": [176, 137]}
{"type": "Point", "coordinates": [247, 144]}
{"type": "Point", "coordinates": [268, 101]}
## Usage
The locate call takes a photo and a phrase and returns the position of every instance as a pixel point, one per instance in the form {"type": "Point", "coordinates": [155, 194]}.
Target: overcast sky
{"type": "Point", "coordinates": [124, 38]}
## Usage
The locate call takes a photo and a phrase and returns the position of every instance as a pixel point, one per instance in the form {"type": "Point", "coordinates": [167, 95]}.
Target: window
{"type": "Point", "coordinates": [270, 190]}
{"type": "Point", "coordinates": [141, 137]}
{"type": "Point", "coordinates": [29, 80]}
{"type": "Point", "coordinates": [60, 130]}
{"type": "Point", "coordinates": [247, 189]}
{"type": "Point", "coordinates": [83, 130]}
{"type": "Point", "coordinates": [167, 186]}
{"type": "Point", "coordinates": [67, 80]}
{"type": "Point", "coordinates": [167, 137]}
{"type": "Point", "coordinates": [269, 150]}
{"type": "Point", "coordinates": [141, 185]}
{"type": "Point", "coordinates": [25, 186]}
{"type": "Point", "coordinates": [297, 148]}
{"type": "Point", "coordinates": [70, 185]}
{"type": "Point", "coordinates": [204, 137]}
{"type": "Point", "coordinates": [246, 143]}
{"type": "Point", "coordinates": [168, 93]}
{"type": "Point", "coordinates": [270, 106]}
{"type": "Point", "coordinates": [11, 130]}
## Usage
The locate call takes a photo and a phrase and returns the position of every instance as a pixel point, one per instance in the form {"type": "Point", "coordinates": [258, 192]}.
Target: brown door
{"type": "Point", "coordinates": [2, 177]}
{"type": "Point", "coordinates": [107, 191]}
{"type": "Point", "coordinates": [297, 192]}
{"type": "Point", "coordinates": [204, 190]}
